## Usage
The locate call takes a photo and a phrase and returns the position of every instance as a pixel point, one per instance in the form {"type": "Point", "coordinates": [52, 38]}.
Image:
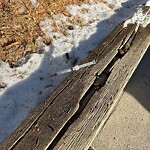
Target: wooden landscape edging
{"type": "Point", "coordinates": [82, 132]}
{"type": "Point", "coordinates": [72, 115]}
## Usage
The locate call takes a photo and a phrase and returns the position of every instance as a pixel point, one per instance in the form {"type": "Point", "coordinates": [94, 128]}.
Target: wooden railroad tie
{"type": "Point", "coordinates": [71, 117]}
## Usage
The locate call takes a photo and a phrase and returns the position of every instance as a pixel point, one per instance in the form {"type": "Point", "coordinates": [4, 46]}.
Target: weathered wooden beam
{"type": "Point", "coordinates": [60, 106]}
{"type": "Point", "coordinates": [85, 95]}
{"type": "Point", "coordinates": [82, 132]}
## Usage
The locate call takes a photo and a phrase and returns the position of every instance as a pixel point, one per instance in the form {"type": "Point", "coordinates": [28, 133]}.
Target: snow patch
{"type": "Point", "coordinates": [147, 3]}
{"type": "Point", "coordinates": [34, 2]}
{"type": "Point", "coordinates": [141, 18]}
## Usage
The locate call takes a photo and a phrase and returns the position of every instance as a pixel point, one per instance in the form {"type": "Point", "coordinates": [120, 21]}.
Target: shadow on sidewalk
{"type": "Point", "coordinates": [139, 84]}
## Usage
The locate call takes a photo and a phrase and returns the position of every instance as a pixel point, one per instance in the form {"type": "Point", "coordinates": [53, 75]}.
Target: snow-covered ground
{"type": "Point", "coordinates": [24, 87]}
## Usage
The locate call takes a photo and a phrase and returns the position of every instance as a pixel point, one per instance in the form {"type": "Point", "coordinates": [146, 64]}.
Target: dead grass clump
{"type": "Point", "coordinates": [19, 25]}
{"type": "Point", "coordinates": [19, 30]}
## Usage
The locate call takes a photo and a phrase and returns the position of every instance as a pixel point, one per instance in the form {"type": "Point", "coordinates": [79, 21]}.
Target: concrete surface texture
{"type": "Point", "coordinates": [128, 128]}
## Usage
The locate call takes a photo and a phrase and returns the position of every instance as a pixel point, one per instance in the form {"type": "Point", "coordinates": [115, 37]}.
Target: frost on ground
{"type": "Point", "coordinates": [24, 87]}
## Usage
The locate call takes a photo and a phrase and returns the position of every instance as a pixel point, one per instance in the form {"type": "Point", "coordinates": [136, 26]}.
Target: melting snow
{"type": "Point", "coordinates": [24, 87]}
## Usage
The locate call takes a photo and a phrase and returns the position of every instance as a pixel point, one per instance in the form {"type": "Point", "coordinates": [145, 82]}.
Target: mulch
{"type": "Point", "coordinates": [20, 25]}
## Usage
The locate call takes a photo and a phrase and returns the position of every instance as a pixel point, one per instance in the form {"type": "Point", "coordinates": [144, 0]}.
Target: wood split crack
{"type": "Point", "coordinates": [98, 83]}
{"type": "Point", "coordinates": [51, 127]}
{"type": "Point", "coordinates": [87, 91]}
{"type": "Point", "coordinates": [127, 43]}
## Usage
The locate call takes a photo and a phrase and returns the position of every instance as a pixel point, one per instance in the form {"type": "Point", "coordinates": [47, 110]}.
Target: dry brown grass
{"type": "Point", "coordinates": [19, 25]}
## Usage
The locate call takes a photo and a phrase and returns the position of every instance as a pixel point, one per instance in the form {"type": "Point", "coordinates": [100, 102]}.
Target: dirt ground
{"type": "Point", "coordinates": [128, 128]}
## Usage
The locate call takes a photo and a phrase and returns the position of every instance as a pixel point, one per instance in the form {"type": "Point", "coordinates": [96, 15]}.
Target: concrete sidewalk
{"type": "Point", "coordinates": [128, 128]}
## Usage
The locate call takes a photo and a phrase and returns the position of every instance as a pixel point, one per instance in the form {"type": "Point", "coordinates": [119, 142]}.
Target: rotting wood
{"type": "Point", "coordinates": [63, 102]}
{"type": "Point", "coordinates": [82, 132]}
{"type": "Point", "coordinates": [44, 124]}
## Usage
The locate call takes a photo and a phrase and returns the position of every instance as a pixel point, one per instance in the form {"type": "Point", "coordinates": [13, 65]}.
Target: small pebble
{"type": "Point", "coordinates": [2, 85]}
{"type": "Point", "coordinates": [70, 27]}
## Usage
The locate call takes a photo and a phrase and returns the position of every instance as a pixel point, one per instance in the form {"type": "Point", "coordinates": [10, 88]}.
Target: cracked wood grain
{"type": "Point", "coordinates": [82, 132]}
{"type": "Point", "coordinates": [51, 116]}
